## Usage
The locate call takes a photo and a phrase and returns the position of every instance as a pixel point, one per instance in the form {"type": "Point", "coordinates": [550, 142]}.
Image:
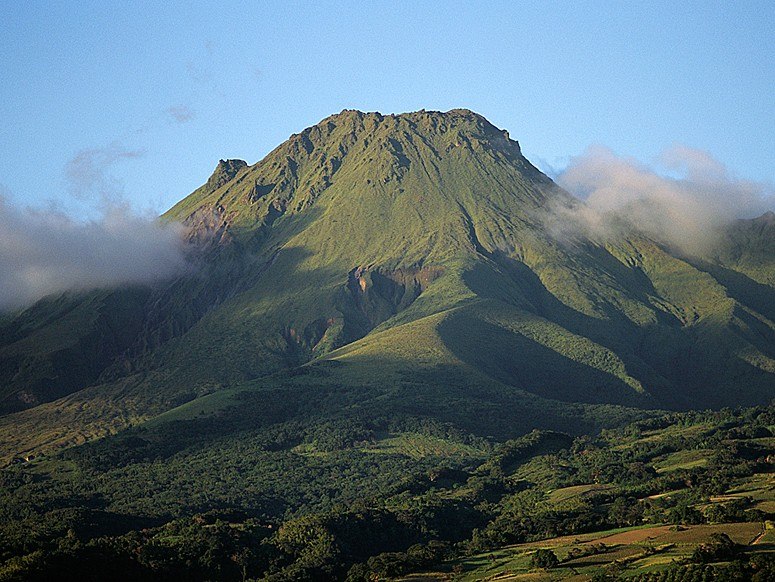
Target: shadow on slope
{"type": "Point", "coordinates": [614, 332]}
{"type": "Point", "coordinates": [743, 289]}
{"type": "Point", "coordinates": [514, 359]}
{"type": "Point", "coordinates": [314, 406]}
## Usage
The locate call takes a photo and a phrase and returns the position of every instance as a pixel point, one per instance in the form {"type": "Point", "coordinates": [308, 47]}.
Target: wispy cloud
{"type": "Point", "coordinates": [200, 74]}
{"type": "Point", "coordinates": [684, 205]}
{"type": "Point", "coordinates": [88, 176]}
{"type": "Point", "coordinates": [180, 113]}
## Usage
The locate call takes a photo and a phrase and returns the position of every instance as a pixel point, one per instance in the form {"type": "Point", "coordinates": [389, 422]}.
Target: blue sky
{"type": "Point", "coordinates": [144, 101]}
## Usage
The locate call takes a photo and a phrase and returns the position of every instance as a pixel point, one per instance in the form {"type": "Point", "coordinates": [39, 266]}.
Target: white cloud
{"type": "Point", "coordinates": [45, 251]}
{"type": "Point", "coordinates": [685, 209]}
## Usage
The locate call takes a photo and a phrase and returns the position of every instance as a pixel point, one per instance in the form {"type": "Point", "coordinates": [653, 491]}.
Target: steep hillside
{"type": "Point", "coordinates": [62, 344]}
{"type": "Point", "coordinates": [414, 251]}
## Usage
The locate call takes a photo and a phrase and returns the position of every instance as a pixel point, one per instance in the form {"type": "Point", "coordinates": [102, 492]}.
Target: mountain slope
{"type": "Point", "coordinates": [412, 249]}
{"type": "Point", "coordinates": [62, 344]}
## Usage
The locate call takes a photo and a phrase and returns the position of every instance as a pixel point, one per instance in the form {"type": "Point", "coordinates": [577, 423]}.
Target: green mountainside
{"type": "Point", "coordinates": [384, 359]}
{"type": "Point", "coordinates": [413, 251]}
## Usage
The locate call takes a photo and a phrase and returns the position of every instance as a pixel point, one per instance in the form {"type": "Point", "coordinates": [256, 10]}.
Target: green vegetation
{"type": "Point", "coordinates": [420, 246]}
{"type": "Point", "coordinates": [544, 559]}
{"type": "Point", "coordinates": [386, 359]}
{"type": "Point", "coordinates": [271, 497]}
{"type": "Point", "coordinates": [657, 553]}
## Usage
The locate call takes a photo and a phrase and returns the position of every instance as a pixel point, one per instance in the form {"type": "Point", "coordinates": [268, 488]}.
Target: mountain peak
{"type": "Point", "coordinates": [453, 117]}
{"type": "Point", "coordinates": [224, 172]}
{"type": "Point", "coordinates": [367, 160]}
{"type": "Point", "coordinates": [418, 251]}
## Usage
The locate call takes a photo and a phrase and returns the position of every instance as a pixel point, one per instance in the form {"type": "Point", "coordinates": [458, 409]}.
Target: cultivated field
{"type": "Point", "coordinates": [637, 549]}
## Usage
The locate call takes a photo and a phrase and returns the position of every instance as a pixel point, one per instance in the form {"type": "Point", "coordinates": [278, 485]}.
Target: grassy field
{"type": "Point", "coordinates": [630, 551]}
{"type": "Point", "coordinates": [326, 478]}
{"type": "Point", "coordinates": [683, 460]}
{"type": "Point", "coordinates": [418, 446]}
{"type": "Point", "coordinates": [760, 488]}
{"type": "Point", "coordinates": [569, 496]}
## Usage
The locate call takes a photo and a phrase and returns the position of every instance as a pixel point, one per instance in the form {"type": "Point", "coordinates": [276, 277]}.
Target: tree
{"type": "Point", "coordinates": [719, 548]}
{"type": "Point", "coordinates": [545, 559]}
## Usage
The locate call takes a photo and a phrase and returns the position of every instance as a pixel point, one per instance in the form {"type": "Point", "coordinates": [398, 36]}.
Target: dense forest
{"type": "Point", "coordinates": [361, 502]}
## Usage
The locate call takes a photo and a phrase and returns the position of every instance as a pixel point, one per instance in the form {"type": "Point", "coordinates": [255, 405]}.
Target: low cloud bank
{"type": "Point", "coordinates": [684, 206]}
{"type": "Point", "coordinates": [45, 251]}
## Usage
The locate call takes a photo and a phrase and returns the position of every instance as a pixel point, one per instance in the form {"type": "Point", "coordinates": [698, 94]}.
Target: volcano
{"type": "Point", "coordinates": [411, 265]}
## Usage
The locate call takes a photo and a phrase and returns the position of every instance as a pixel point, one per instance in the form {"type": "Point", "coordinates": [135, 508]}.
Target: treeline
{"type": "Point", "coordinates": [754, 568]}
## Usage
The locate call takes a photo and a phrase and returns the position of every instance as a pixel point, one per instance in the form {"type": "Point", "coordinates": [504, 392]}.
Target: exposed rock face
{"type": "Point", "coordinates": [224, 172]}
{"type": "Point", "coordinates": [375, 295]}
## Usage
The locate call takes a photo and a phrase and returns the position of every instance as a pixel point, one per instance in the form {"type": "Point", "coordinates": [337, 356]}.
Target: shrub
{"type": "Point", "coordinates": [545, 559]}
